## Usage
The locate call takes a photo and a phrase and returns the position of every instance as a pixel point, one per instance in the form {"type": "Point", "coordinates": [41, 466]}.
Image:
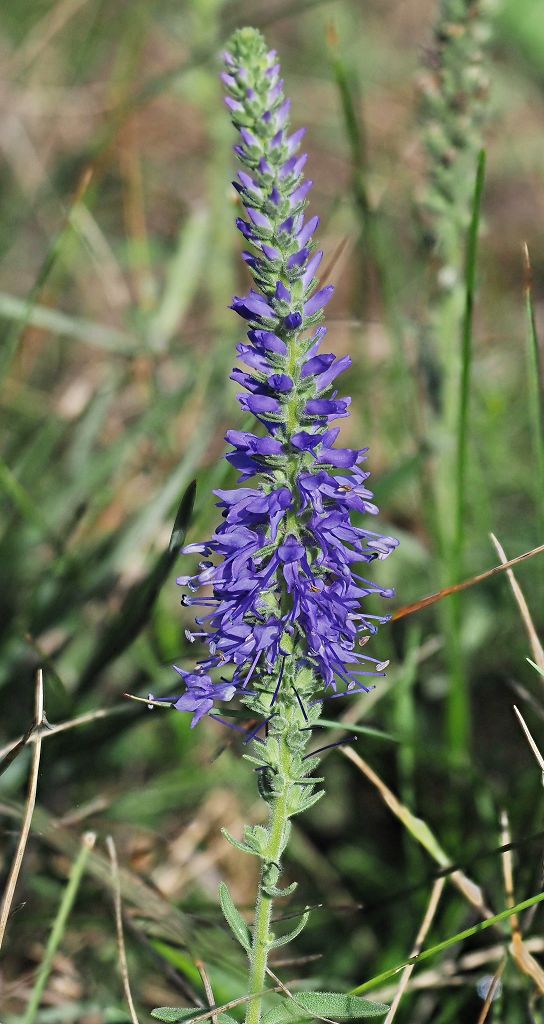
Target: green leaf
{"type": "Point", "coordinates": [182, 278]}
{"type": "Point", "coordinates": [276, 893]}
{"type": "Point", "coordinates": [175, 1014]}
{"type": "Point", "coordinates": [244, 847]}
{"type": "Point", "coordinates": [323, 1004]}
{"type": "Point", "coordinates": [362, 730]}
{"type": "Point", "coordinates": [283, 940]}
{"type": "Point", "coordinates": [234, 918]}
{"type": "Point", "coordinates": [304, 803]}
{"type": "Point", "coordinates": [183, 518]}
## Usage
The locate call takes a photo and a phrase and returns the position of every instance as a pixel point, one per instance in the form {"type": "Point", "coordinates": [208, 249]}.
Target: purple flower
{"type": "Point", "coordinates": [282, 571]}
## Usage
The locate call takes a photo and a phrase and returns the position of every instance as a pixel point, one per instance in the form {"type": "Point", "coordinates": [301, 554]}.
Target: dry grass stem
{"type": "Point", "coordinates": [536, 646]}
{"type": "Point", "coordinates": [428, 917]}
{"type": "Point", "coordinates": [521, 955]}
{"type": "Point", "coordinates": [13, 877]}
{"type": "Point", "coordinates": [123, 966]}
{"type": "Point", "coordinates": [421, 832]}
{"type": "Point", "coordinates": [52, 730]}
{"type": "Point", "coordinates": [530, 740]}
{"type": "Point", "coordinates": [495, 982]}
{"type": "Point", "coordinates": [207, 987]}
{"type": "Point", "coordinates": [160, 915]}
{"type": "Point", "coordinates": [456, 588]}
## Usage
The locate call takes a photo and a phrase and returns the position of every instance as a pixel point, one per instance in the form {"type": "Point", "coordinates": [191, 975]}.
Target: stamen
{"type": "Point", "coordinates": [277, 690]}
{"type": "Point", "coordinates": [252, 735]}
{"type": "Point", "coordinates": [301, 705]}
{"type": "Point", "coordinates": [330, 746]}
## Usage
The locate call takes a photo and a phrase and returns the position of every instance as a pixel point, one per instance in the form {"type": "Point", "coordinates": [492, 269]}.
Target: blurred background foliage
{"type": "Point", "coordinates": [118, 258]}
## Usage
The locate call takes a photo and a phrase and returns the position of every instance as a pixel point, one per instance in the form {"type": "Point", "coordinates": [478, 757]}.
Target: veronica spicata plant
{"type": "Point", "coordinates": [281, 583]}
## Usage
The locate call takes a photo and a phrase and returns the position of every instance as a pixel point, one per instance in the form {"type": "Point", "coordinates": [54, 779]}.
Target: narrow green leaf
{"type": "Point", "coordinates": [305, 803]}
{"type": "Point", "coordinates": [183, 518]}
{"type": "Point", "coordinates": [63, 325]}
{"type": "Point", "coordinates": [323, 1004]}
{"type": "Point", "coordinates": [244, 847]}
{"type": "Point", "coordinates": [452, 941]}
{"type": "Point", "coordinates": [177, 1014]}
{"type": "Point", "coordinates": [466, 363]}
{"type": "Point", "coordinates": [284, 940]}
{"type": "Point", "coordinates": [458, 705]}
{"type": "Point", "coordinates": [234, 918]}
{"type": "Point", "coordinates": [174, 1014]}
{"type": "Point", "coordinates": [135, 611]}
{"type": "Point", "coordinates": [181, 279]}
{"type": "Point", "coordinates": [59, 927]}
{"type": "Point", "coordinates": [363, 730]}
{"type": "Point", "coordinates": [277, 893]}
{"type": "Point", "coordinates": [535, 396]}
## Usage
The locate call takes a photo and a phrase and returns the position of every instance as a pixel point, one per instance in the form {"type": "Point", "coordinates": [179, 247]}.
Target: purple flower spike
{"type": "Point", "coordinates": [282, 606]}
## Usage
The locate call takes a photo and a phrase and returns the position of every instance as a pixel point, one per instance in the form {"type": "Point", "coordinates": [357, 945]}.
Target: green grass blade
{"type": "Point", "coordinates": [59, 926]}
{"type": "Point", "coordinates": [536, 399]}
{"type": "Point", "coordinates": [54, 320]}
{"type": "Point", "coordinates": [466, 368]}
{"type": "Point", "coordinates": [182, 279]}
{"type": "Point", "coordinates": [458, 702]}
{"type": "Point", "coordinates": [56, 247]}
{"type": "Point", "coordinates": [361, 730]}
{"type": "Point", "coordinates": [426, 954]}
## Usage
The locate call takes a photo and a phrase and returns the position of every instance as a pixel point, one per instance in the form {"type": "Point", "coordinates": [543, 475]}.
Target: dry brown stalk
{"type": "Point", "coordinates": [422, 833]}
{"type": "Point", "coordinates": [456, 588]}
{"type": "Point", "coordinates": [428, 917]}
{"type": "Point", "coordinates": [123, 965]}
{"type": "Point", "coordinates": [13, 877]}
{"type": "Point", "coordinates": [536, 646]}
{"type": "Point", "coordinates": [495, 981]}
{"type": "Point", "coordinates": [207, 987]}
{"type": "Point", "coordinates": [90, 716]}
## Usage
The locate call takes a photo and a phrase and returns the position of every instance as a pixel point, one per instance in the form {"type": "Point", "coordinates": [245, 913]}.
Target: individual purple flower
{"type": "Point", "coordinates": [281, 582]}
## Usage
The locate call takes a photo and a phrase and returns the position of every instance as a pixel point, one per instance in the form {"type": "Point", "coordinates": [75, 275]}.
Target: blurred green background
{"type": "Point", "coordinates": [118, 258]}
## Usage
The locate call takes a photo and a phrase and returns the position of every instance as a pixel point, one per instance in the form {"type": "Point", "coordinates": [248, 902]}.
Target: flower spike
{"type": "Point", "coordinates": [281, 563]}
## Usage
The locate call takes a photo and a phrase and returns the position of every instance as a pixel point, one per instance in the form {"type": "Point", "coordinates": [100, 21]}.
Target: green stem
{"type": "Point", "coordinates": [263, 910]}
{"type": "Point", "coordinates": [281, 807]}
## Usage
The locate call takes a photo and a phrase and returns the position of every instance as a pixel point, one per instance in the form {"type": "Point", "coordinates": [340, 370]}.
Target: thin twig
{"type": "Point", "coordinates": [536, 646]}
{"type": "Point", "coordinates": [90, 716]}
{"type": "Point", "coordinates": [495, 982]}
{"type": "Point", "coordinates": [199, 964]}
{"type": "Point", "coordinates": [409, 609]}
{"type": "Point", "coordinates": [434, 900]}
{"type": "Point", "coordinates": [530, 739]}
{"type": "Point", "coordinates": [29, 809]}
{"type": "Point", "coordinates": [522, 958]}
{"type": "Point", "coordinates": [119, 927]}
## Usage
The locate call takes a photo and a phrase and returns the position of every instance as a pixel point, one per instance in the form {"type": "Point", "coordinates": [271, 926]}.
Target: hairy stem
{"type": "Point", "coordinates": [282, 788]}
{"type": "Point", "coordinates": [263, 911]}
